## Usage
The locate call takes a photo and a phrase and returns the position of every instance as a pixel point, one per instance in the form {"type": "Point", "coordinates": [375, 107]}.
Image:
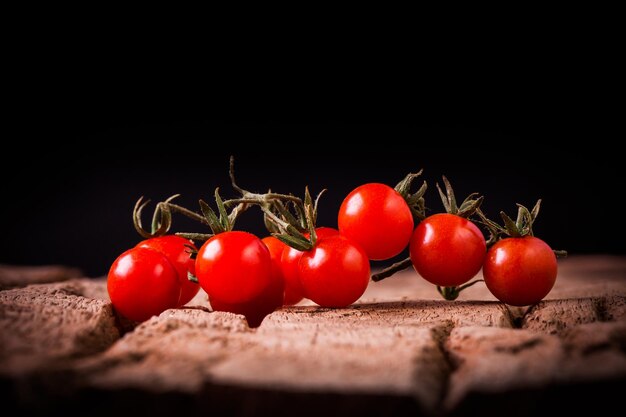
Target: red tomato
{"type": "Point", "coordinates": [447, 250]}
{"type": "Point", "coordinates": [234, 267]}
{"type": "Point", "coordinates": [142, 283]}
{"type": "Point", "coordinates": [335, 273]}
{"type": "Point", "coordinates": [276, 248]}
{"type": "Point", "coordinates": [290, 258]}
{"type": "Point", "coordinates": [376, 217]}
{"type": "Point", "coordinates": [271, 299]}
{"type": "Point", "coordinates": [174, 249]}
{"type": "Point", "coordinates": [274, 297]}
{"type": "Point", "coordinates": [293, 289]}
{"type": "Point", "coordinates": [520, 271]}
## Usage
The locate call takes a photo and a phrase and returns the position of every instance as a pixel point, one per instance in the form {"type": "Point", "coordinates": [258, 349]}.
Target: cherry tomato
{"type": "Point", "coordinates": [376, 217]}
{"type": "Point", "coordinates": [234, 267]}
{"type": "Point", "coordinates": [293, 289]}
{"type": "Point", "coordinates": [276, 248]}
{"type": "Point", "coordinates": [520, 271]}
{"type": "Point", "coordinates": [290, 258]}
{"type": "Point", "coordinates": [271, 299]}
{"type": "Point", "coordinates": [174, 249]}
{"type": "Point", "coordinates": [447, 250]}
{"type": "Point", "coordinates": [335, 273]}
{"type": "Point", "coordinates": [143, 283]}
{"type": "Point", "coordinates": [274, 297]}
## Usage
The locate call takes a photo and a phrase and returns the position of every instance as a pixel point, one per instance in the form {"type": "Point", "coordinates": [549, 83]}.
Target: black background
{"type": "Point", "coordinates": [71, 198]}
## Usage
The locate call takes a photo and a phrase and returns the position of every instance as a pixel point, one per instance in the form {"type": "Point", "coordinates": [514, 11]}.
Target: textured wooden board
{"type": "Point", "coordinates": [400, 350]}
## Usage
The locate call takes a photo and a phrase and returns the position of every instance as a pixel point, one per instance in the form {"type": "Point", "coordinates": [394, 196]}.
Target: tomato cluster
{"type": "Point", "coordinates": [244, 274]}
{"type": "Point", "coordinates": [152, 277]}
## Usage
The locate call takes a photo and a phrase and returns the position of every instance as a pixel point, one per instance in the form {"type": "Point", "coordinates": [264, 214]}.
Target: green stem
{"type": "Point", "coordinates": [389, 271]}
{"type": "Point", "coordinates": [156, 219]}
{"type": "Point", "coordinates": [195, 236]}
{"type": "Point", "coordinates": [186, 212]}
{"type": "Point", "coordinates": [253, 198]}
{"type": "Point", "coordinates": [452, 293]}
{"type": "Point", "coordinates": [289, 229]}
{"type": "Point", "coordinates": [274, 217]}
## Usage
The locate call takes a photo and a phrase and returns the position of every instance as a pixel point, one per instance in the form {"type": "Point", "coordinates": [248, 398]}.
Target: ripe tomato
{"type": "Point", "coordinates": [143, 283]}
{"type": "Point", "coordinates": [290, 258]}
{"type": "Point", "coordinates": [447, 250]}
{"type": "Point", "coordinates": [520, 271]}
{"type": "Point", "coordinates": [174, 249]}
{"type": "Point", "coordinates": [335, 273]}
{"type": "Point", "coordinates": [276, 248]}
{"type": "Point", "coordinates": [271, 299]}
{"type": "Point", "coordinates": [376, 217]}
{"type": "Point", "coordinates": [289, 264]}
{"type": "Point", "coordinates": [234, 267]}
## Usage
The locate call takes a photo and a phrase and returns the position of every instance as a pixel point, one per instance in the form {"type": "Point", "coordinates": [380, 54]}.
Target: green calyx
{"type": "Point", "coordinates": [469, 206]}
{"type": "Point", "coordinates": [415, 201]}
{"type": "Point", "coordinates": [225, 221]}
{"type": "Point", "coordinates": [289, 227]}
{"type": "Point", "coordinates": [522, 226]}
{"type": "Point", "coordinates": [286, 217]}
{"type": "Point", "coordinates": [452, 293]}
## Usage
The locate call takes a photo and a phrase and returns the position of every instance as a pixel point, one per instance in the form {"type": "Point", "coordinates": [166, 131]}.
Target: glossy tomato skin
{"type": "Point", "coordinates": [142, 283]}
{"type": "Point", "coordinates": [174, 249]}
{"type": "Point", "coordinates": [290, 259]}
{"type": "Point", "coordinates": [271, 299]}
{"type": "Point", "coordinates": [274, 297]}
{"type": "Point", "coordinates": [234, 267]}
{"type": "Point", "coordinates": [376, 217]}
{"type": "Point", "coordinates": [335, 273]}
{"type": "Point", "coordinates": [289, 264]}
{"type": "Point", "coordinates": [520, 271]}
{"type": "Point", "coordinates": [276, 248]}
{"type": "Point", "coordinates": [447, 250]}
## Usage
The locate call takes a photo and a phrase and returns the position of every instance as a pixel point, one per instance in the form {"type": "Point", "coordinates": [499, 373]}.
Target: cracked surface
{"type": "Point", "coordinates": [400, 350]}
{"type": "Point", "coordinates": [43, 324]}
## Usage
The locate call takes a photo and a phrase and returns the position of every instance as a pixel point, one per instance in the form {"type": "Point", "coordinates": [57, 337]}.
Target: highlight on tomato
{"type": "Point", "coordinates": [379, 218]}
{"type": "Point", "coordinates": [143, 283]}
{"type": "Point", "coordinates": [520, 271]}
{"type": "Point", "coordinates": [234, 267]}
{"type": "Point", "coordinates": [447, 250]}
{"type": "Point", "coordinates": [335, 273]}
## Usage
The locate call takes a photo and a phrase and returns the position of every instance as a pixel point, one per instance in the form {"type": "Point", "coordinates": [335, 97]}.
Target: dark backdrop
{"type": "Point", "coordinates": [70, 201]}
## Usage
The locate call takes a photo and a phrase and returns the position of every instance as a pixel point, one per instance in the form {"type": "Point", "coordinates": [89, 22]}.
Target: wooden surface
{"type": "Point", "coordinates": [400, 350]}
